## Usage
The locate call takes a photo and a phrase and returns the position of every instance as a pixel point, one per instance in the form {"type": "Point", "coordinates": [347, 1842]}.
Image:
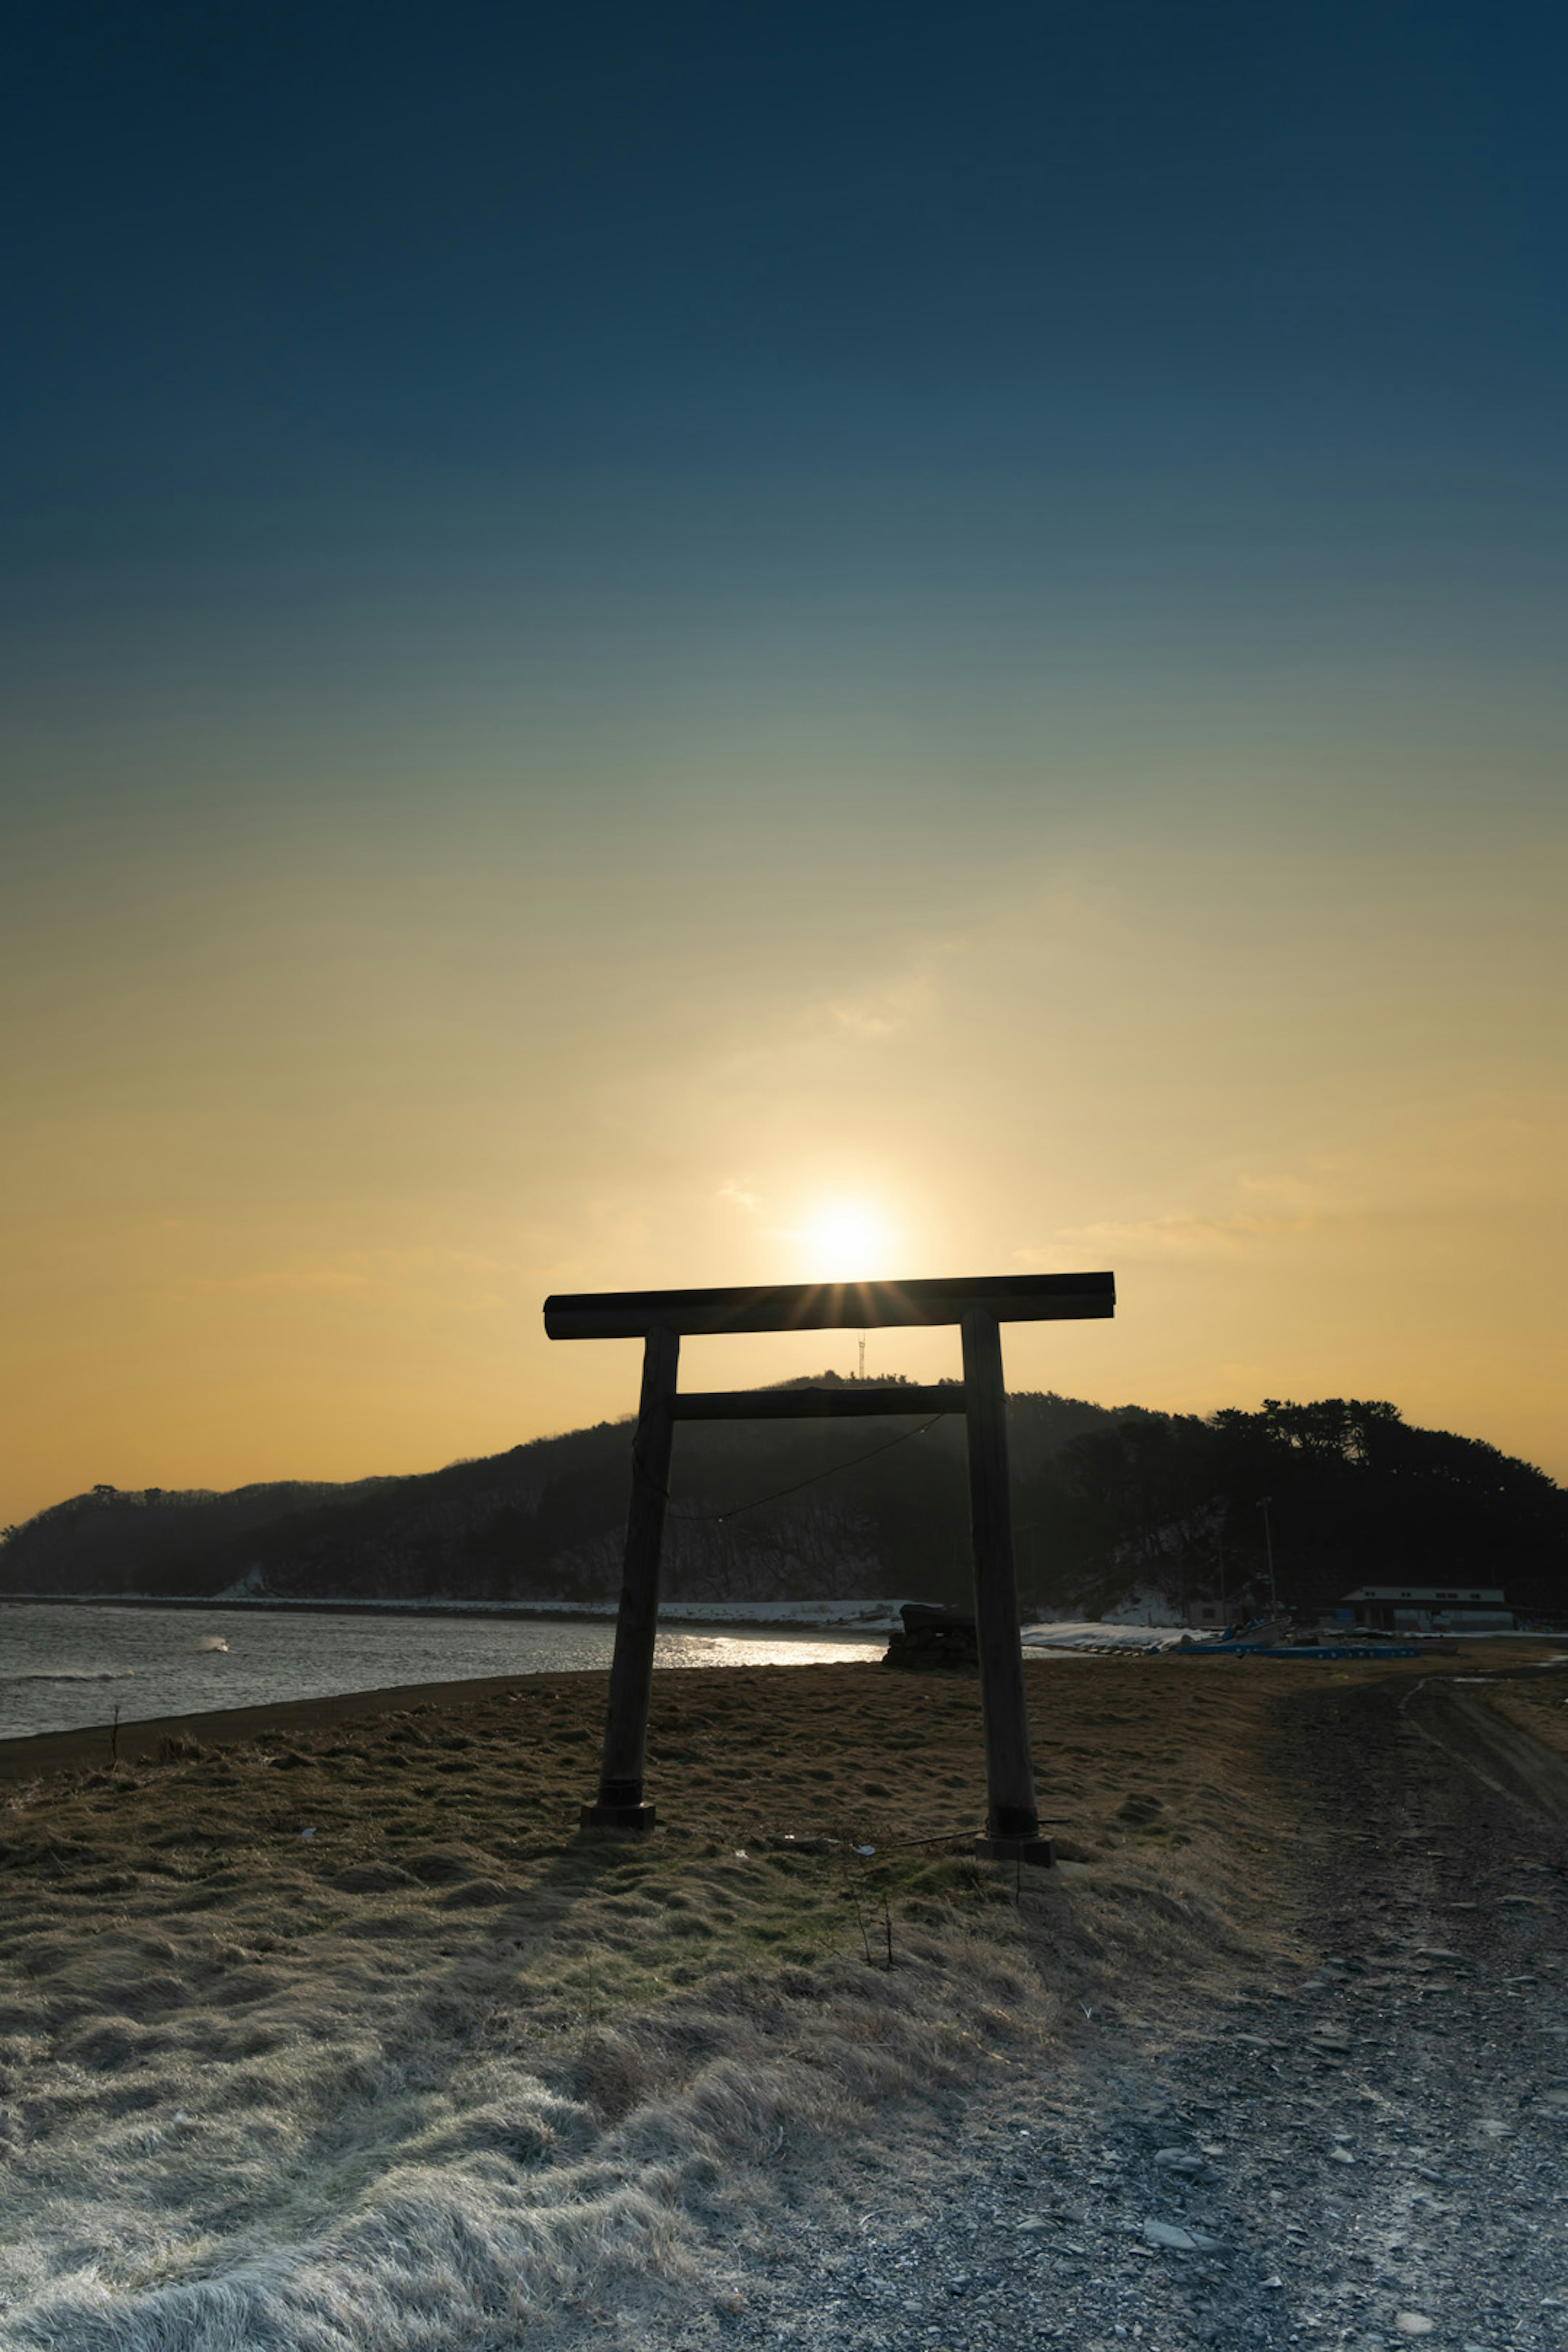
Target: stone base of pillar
{"type": "Point", "coordinates": [1035, 1851]}
{"type": "Point", "coordinates": [631, 1821]}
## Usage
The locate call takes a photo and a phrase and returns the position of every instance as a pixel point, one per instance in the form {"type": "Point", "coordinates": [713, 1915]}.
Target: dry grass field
{"type": "Point", "coordinates": [1538, 1708]}
{"type": "Point", "coordinates": [344, 2036]}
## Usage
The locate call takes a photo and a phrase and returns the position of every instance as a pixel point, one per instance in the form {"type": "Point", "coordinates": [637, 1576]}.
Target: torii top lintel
{"type": "Point", "coordinates": [828, 1306]}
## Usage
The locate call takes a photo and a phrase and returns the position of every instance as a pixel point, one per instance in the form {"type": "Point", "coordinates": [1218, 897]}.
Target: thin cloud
{"type": "Point", "coordinates": [1181, 1233]}
{"type": "Point", "coordinates": [861, 1022]}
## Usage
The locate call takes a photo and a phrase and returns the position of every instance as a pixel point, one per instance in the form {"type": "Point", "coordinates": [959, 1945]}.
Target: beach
{"type": "Point", "coordinates": [68, 1665]}
{"type": "Point", "coordinates": [307, 2009]}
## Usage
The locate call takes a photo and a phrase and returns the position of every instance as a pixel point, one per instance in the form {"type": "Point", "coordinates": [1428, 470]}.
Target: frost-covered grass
{"type": "Point", "coordinates": [347, 2039]}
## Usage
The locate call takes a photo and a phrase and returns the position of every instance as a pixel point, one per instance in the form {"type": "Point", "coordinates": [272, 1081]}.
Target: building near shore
{"type": "Point", "coordinates": [1430, 1609]}
{"type": "Point", "coordinates": [1205, 1614]}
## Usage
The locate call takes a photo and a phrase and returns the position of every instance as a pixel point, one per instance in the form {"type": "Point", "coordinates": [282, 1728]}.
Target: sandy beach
{"type": "Point", "coordinates": [302, 2013]}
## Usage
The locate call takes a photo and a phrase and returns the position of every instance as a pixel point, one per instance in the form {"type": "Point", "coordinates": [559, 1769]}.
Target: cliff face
{"type": "Point", "coordinates": [1102, 1498]}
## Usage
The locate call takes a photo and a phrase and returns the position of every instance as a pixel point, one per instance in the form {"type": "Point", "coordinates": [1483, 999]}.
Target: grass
{"type": "Point", "coordinates": [1538, 1708]}
{"type": "Point", "coordinates": [347, 2037]}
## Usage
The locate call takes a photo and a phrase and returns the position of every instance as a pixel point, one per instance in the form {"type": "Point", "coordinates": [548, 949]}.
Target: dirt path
{"type": "Point", "coordinates": [1369, 2153]}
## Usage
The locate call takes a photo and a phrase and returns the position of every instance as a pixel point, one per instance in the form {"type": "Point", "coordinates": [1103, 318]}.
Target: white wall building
{"type": "Point", "coordinates": [1431, 1608]}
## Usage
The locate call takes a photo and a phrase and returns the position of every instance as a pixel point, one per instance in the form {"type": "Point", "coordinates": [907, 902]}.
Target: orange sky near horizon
{"type": "Point", "coordinates": [307, 1120]}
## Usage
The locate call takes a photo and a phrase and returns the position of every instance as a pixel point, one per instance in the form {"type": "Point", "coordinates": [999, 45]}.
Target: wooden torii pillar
{"type": "Point", "coordinates": [661, 1318]}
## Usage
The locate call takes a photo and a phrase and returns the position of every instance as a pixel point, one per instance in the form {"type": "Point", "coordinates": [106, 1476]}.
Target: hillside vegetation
{"type": "Point", "coordinates": [1104, 1497]}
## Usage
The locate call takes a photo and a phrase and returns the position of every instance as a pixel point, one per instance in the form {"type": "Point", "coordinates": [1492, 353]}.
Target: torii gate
{"type": "Point", "coordinates": [659, 1319]}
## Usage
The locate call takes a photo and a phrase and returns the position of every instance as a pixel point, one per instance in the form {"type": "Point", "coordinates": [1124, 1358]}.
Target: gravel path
{"type": "Point", "coordinates": [1368, 2154]}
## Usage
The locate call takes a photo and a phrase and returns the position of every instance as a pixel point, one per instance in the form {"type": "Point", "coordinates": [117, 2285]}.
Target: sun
{"type": "Point", "coordinates": [845, 1241]}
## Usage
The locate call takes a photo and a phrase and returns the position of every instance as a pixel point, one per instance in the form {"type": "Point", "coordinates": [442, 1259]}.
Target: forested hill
{"type": "Point", "coordinates": [1103, 1499]}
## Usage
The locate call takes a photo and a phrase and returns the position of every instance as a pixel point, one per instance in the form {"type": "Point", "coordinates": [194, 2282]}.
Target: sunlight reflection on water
{"type": "Point", "coordinates": [64, 1667]}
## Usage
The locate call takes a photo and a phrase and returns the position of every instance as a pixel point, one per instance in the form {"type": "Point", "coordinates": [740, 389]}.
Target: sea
{"type": "Point", "coordinates": [71, 1666]}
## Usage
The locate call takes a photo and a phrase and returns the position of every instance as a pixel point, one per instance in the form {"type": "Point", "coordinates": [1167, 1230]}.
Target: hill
{"type": "Point", "coordinates": [1104, 1497]}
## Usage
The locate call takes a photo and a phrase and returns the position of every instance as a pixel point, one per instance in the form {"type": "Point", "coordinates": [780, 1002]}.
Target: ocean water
{"type": "Point", "coordinates": [65, 1667]}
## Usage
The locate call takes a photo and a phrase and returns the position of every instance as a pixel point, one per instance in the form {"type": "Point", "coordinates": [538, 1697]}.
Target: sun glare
{"type": "Point", "coordinates": [843, 1242]}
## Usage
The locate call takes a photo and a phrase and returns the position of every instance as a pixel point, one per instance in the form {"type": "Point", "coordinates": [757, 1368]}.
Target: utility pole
{"type": "Point", "coordinates": [1264, 1502]}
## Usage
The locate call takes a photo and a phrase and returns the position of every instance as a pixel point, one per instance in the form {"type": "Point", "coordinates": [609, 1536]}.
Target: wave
{"type": "Point", "coordinates": [72, 1674]}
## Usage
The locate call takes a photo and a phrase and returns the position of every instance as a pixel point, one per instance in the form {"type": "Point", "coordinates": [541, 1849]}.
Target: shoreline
{"type": "Point", "coordinates": [35, 1755]}
{"type": "Point", "coordinates": [1041, 1634]}
{"type": "Point", "coordinates": [875, 1617]}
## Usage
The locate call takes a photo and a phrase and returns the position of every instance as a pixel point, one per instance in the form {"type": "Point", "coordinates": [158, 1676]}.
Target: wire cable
{"type": "Point", "coordinates": [734, 1509]}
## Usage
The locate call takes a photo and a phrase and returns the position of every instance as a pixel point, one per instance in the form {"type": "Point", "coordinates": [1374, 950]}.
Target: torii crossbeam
{"type": "Point", "coordinates": [661, 1318]}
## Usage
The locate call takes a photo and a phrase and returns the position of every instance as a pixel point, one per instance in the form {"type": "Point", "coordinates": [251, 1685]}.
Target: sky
{"type": "Point", "coordinates": [750, 641]}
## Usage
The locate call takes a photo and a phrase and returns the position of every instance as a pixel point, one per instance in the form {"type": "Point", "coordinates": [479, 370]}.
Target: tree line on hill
{"type": "Point", "coordinates": [1104, 1499]}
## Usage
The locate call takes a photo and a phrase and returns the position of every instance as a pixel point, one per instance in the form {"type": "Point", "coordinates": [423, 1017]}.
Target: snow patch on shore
{"type": "Point", "coordinates": [1086, 1633]}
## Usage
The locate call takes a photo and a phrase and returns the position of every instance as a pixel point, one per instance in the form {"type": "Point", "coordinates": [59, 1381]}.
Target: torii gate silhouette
{"type": "Point", "coordinates": [661, 1318]}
